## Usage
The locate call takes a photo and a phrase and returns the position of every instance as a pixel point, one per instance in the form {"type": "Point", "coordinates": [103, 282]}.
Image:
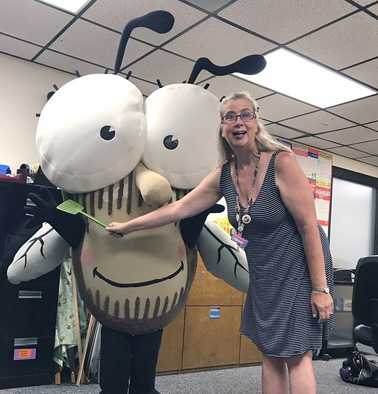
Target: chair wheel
{"type": "Point", "coordinates": [326, 357]}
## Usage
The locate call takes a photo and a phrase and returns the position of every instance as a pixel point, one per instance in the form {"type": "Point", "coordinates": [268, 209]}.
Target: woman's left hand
{"type": "Point", "coordinates": [322, 306]}
{"type": "Point", "coordinates": [116, 229]}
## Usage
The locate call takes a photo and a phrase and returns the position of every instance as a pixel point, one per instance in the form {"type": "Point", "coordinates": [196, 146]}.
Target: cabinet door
{"type": "Point", "coordinates": [210, 290]}
{"type": "Point", "coordinates": [25, 357]}
{"type": "Point", "coordinates": [28, 305]}
{"type": "Point", "coordinates": [211, 336]}
{"type": "Point", "coordinates": [170, 355]}
{"type": "Point", "coordinates": [249, 354]}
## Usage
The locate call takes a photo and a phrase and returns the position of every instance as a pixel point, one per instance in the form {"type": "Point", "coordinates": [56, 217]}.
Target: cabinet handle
{"type": "Point", "coordinates": [25, 341]}
{"type": "Point", "coordinates": [30, 294]}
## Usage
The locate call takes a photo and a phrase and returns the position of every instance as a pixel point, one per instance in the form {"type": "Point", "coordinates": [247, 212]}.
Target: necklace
{"type": "Point", "coordinates": [244, 219]}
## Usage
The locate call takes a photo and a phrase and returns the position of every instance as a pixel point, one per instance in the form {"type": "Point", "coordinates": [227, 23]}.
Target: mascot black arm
{"type": "Point", "coordinates": [70, 227]}
{"type": "Point", "coordinates": [192, 227]}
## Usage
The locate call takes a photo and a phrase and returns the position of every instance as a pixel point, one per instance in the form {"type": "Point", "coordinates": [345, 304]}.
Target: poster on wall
{"type": "Point", "coordinates": [317, 166]}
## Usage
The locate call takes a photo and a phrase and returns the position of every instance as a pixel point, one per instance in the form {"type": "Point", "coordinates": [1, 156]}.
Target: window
{"type": "Point", "coordinates": [353, 224]}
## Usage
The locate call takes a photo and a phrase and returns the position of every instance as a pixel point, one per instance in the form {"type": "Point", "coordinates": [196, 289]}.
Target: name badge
{"type": "Point", "coordinates": [239, 240]}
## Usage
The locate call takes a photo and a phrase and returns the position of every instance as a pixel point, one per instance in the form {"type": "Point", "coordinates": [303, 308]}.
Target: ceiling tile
{"type": "Point", "coordinates": [338, 45]}
{"type": "Point", "coordinates": [31, 21]}
{"type": "Point", "coordinates": [68, 64]}
{"type": "Point", "coordinates": [363, 2]}
{"type": "Point", "coordinates": [283, 21]}
{"type": "Point", "coordinates": [145, 87]}
{"type": "Point", "coordinates": [347, 152]}
{"type": "Point", "coordinates": [102, 12]}
{"type": "Point", "coordinates": [278, 130]}
{"type": "Point", "coordinates": [277, 107]}
{"type": "Point", "coordinates": [164, 66]}
{"type": "Point", "coordinates": [369, 147]}
{"type": "Point", "coordinates": [224, 85]}
{"type": "Point", "coordinates": [373, 160]}
{"type": "Point", "coordinates": [318, 122]}
{"type": "Point", "coordinates": [341, 34]}
{"type": "Point", "coordinates": [373, 8]}
{"type": "Point", "coordinates": [351, 136]}
{"type": "Point", "coordinates": [373, 125]}
{"type": "Point", "coordinates": [209, 5]}
{"type": "Point", "coordinates": [360, 111]}
{"type": "Point", "coordinates": [18, 48]}
{"type": "Point", "coordinates": [204, 41]}
{"type": "Point", "coordinates": [365, 72]}
{"type": "Point", "coordinates": [316, 142]}
{"type": "Point", "coordinates": [97, 45]}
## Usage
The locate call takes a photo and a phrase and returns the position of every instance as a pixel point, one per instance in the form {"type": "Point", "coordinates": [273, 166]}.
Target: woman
{"type": "Point", "coordinates": [288, 309]}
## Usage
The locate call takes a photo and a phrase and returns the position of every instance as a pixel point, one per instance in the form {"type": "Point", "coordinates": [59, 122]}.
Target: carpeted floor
{"type": "Point", "coordinates": [243, 380]}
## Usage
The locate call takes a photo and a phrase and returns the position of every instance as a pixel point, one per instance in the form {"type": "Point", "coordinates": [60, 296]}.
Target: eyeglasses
{"type": "Point", "coordinates": [231, 117]}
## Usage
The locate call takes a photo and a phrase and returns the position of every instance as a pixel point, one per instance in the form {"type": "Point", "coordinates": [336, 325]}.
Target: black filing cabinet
{"type": "Point", "coordinates": [27, 310]}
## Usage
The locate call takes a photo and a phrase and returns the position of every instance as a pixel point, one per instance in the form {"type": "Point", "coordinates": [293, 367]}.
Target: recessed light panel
{"type": "Point", "coordinates": [296, 77]}
{"type": "Point", "coordinates": [73, 6]}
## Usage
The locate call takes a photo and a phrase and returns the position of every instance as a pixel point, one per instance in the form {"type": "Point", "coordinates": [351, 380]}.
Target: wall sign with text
{"type": "Point", "coordinates": [317, 166]}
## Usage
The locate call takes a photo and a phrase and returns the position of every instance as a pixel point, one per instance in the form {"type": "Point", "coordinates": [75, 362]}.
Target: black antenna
{"type": "Point", "coordinates": [250, 65]}
{"type": "Point", "coordinates": [77, 74]}
{"type": "Point", "coordinates": [55, 86]}
{"type": "Point", "coordinates": [159, 83]}
{"type": "Point", "coordinates": [158, 21]}
{"type": "Point", "coordinates": [128, 75]}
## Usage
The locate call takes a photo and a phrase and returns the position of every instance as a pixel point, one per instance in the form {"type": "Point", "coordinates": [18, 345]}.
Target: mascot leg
{"type": "Point", "coordinates": [143, 362]}
{"type": "Point", "coordinates": [127, 357]}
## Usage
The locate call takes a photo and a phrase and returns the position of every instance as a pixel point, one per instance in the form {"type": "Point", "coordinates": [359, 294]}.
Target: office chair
{"type": "Point", "coordinates": [365, 302]}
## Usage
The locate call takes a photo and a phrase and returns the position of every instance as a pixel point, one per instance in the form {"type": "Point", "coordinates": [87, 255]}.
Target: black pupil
{"type": "Point", "coordinates": [170, 142]}
{"type": "Point", "coordinates": [107, 133]}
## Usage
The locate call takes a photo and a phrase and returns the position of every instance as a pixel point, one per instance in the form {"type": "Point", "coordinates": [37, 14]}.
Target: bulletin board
{"type": "Point", "coordinates": [317, 166]}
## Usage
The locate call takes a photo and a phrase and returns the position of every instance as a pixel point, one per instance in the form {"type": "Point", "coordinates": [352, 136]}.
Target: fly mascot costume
{"type": "Point", "coordinates": [120, 158]}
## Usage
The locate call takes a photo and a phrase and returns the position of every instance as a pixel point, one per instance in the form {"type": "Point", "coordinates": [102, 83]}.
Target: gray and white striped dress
{"type": "Point", "coordinates": [277, 315]}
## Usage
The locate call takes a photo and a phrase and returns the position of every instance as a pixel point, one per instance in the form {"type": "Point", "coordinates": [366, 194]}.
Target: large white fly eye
{"type": "Point", "coordinates": [182, 121]}
{"type": "Point", "coordinates": [91, 133]}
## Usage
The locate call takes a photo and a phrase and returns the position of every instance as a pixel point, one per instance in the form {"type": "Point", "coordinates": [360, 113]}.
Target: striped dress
{"type": "Point", "coordinates": [277, 315]}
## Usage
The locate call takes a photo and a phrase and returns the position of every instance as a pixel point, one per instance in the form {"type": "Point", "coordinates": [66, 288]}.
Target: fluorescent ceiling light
{"type": "Point", "coordinates": [304, 80]}
{"type": "Point", "coordinates": [73, 6]}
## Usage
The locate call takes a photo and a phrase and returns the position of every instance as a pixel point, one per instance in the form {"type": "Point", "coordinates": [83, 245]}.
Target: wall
{"type": "Point", "coordinates": [24, 86]}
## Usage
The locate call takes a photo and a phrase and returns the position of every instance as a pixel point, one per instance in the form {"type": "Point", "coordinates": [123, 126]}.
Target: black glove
{"type": "Point", "coordinates": [44, 209]}
{"type": "Point", "coordinates": [192, 227]}
{"type": "Point", "coordinates": [70, 227]}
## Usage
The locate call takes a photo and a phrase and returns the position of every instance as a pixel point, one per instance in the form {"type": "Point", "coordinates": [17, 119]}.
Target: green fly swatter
{"type": "Point", "coordinates": [73, 207]}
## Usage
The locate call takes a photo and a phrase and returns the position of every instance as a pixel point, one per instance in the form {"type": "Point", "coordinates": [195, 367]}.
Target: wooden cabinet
{"type": "Point", "coordinates": [211, 336]}
{"type": "Point", "coordinates": [210, 290]}
{"type": "Point", "coordinates": [249, 354]}
{"type": "Point", "coordinates": [170, 355]}
{"type": "Point", "coordinates": [206, 333]}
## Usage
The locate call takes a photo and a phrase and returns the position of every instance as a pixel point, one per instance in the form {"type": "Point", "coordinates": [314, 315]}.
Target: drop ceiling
{"type": "Point", "coordinates": [341, 35]}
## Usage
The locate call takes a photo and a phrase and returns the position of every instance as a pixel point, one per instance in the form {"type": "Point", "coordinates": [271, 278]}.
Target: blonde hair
{"type": "Point", "coordinates": [264, 141]}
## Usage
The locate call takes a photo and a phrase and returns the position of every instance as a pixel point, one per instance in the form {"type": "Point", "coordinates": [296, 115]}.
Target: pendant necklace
{"type": "Point", "coordinates": [244, 218]}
